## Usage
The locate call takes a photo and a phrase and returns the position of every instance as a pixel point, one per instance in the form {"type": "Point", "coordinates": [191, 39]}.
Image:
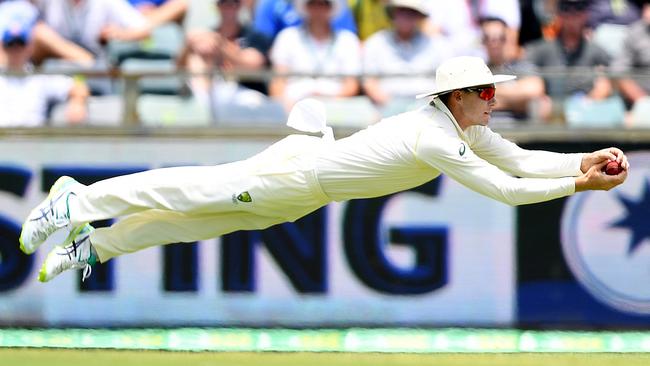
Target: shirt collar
{"type": "Point", "coordinates": [438, 104]}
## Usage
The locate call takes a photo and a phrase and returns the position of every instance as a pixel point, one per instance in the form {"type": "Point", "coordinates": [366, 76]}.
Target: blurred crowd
{"type": "Point", "coordinates": [579, 62]}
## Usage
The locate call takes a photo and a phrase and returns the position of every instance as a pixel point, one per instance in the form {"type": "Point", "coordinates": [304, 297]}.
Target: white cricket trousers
{"type": "Point", "coordinates": [186, 204]}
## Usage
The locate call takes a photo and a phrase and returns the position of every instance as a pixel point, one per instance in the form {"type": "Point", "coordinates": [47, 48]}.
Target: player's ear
{"type": "Point", "coordinates": [457, 95]}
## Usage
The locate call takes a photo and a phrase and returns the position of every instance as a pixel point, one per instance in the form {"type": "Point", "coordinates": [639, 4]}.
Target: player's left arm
{"type": "Point", "coordinates": [521, 162]}
{"type": "Point", "coordinates": [448, 155]}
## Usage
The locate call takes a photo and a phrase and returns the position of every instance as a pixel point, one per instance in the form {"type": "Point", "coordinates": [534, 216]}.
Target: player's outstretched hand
{"type": "Point", "coordinates": [596, 179]}
{"type": "Point", "coordinates": [608, 154]}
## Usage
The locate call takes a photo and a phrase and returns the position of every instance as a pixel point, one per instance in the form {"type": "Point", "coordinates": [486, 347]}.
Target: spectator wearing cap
{"type": "Point", "coordinates": [516, 98]}
{"type": "Point", "coordinates": [635, 55]}
{"type": "Point", "coordinates": [571, 52]}
{"type": "Point", "coordinates": [47, 43]}
{"type": "Point", "coordinates": [93, 23]}
{"type": "Point", "coordinates": [24, 97]}
{"type": "Point", "coordinates": [272, 16]}
{"type": "Point", "coordinates": [331, 57]}
{"type": "Point", "coordinates": [402, 50]}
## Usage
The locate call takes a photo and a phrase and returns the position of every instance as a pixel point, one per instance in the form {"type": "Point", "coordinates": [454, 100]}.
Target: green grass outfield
{"type": "Point", "coordinates": [354, 340]}
{"type": "Point", "coordinates": [70, 357]}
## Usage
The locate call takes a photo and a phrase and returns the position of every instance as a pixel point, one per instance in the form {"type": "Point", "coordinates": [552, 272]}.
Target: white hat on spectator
{"type": "Point", "coordinates": [301, 7]}
{"type": "Point", "coordinates": [21, 11]}
{"type": "Point", "coordinates": [417, 5]}
{"type": "Point", "coordinates": [463, 72]}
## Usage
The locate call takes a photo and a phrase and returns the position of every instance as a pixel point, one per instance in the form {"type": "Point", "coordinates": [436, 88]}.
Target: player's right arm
{"type": "Point", "coordinates": [595, 179]}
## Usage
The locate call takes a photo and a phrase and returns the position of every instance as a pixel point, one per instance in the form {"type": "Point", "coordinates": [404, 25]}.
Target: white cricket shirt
{"type": "Point", "coordinates": [413, 148]}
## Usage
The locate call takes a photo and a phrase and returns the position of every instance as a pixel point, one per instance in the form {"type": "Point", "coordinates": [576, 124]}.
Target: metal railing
{"type": "Point", "coordinates": [130, 91]}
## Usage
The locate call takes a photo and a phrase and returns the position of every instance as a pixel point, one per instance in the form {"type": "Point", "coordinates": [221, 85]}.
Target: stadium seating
{"type": "Point", "coordinates": [102, 111]}
{"type": "Point", "coordinates": [97, 85]}
{"type": "Point", "coordinates": [610, 37]}
{"type": "Point", "coordinates": [641, 113]}
{"type": "Point", "coordinates": [167, 110]}
{"type": "Point", "coordinates": [165, 42]}
{"type": "Point", "coordinates": [580, 111]}
{"type": "Point", "coordinates": [165, 85]}
{"type": "Point", "coordinates": [350, 112]}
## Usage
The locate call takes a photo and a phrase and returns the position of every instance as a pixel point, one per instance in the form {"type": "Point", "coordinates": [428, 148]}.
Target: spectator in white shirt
{"type": "Point", "coordinates": [404, 49]}
{"type": "Point", "coordinates": [24, 98]}
{"type": "Point", "coordinates": [47, 42]}
{"type": "Point", "coordinates": [315, 48]}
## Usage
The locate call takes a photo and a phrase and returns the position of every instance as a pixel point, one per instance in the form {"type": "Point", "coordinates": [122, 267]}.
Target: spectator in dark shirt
{"type": "Point", "coordinates": [635, 55]}
{"type": "Point", "coordinates": [571, 49]}
{"type": "Point", "coordinates": [231, 47]}
{"type": "Point", "coordinates": [574, 68]}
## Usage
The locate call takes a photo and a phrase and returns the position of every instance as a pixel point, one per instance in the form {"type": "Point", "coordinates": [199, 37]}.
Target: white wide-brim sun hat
{"type": "Point", "coordinates": [463, 72]}
{"type": "Point", "coordinates": [417, 5]}
{"type": "Point", "coordinates": [301, 7]}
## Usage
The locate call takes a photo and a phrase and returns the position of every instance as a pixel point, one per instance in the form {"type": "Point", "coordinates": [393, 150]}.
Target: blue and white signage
{"type": "Point", "coordinates": [437, 255]}
{"type": "Point", "coordinates": [606, 240]}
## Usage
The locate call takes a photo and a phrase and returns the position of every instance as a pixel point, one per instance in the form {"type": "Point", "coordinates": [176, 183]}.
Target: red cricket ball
{"type": "Point", "coordinates": [613, 168]}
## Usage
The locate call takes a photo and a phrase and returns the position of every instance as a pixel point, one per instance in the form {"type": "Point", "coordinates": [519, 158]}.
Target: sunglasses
{"type": "Point", "coordinates": [484, 92]}
{"type": "Point", "coordinates": [15, 42]}
{"type": "Point", "coordinates": [327, 3]}
{"type": "Point", "coordinates": [573, 7]}
{"type": "Point", "coordinates": [492, 38]}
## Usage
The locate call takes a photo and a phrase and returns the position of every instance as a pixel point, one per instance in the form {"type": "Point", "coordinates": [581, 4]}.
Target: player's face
{"type": "Point", "coordinates": [478, 103]}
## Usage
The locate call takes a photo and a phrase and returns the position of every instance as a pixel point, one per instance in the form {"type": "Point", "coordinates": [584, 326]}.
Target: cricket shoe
{"type": "Point", "coordinates": [75, 253]}
{"type": "Point", "coordinates": [49, 216]}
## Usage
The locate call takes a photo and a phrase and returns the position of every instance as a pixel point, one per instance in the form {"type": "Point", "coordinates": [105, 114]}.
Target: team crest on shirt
{"type": "Point", "coordinates": [606, 240]}
{"type": "Point", "coordinates": [242, 197]}
{"type": "Point", "coordinates": [462, 148]}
